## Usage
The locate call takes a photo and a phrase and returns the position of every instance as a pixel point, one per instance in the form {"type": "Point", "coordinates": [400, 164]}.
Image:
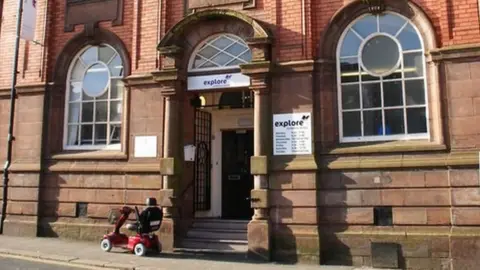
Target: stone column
{"type": "Point", "coordinates": [259, 244]}
{"type": "Point", "coordinates": [171, 84]}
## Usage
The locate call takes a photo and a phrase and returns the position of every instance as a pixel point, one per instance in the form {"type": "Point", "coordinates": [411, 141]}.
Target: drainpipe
{"type": "Point", "coordinates": [12, 112]}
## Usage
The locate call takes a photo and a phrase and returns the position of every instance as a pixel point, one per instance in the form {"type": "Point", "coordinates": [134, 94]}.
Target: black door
{"type": "Point", "coordinates": [237, 182]}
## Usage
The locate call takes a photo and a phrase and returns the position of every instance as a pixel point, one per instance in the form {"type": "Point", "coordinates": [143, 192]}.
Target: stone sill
{"type": "Point", "coordinates": [90, 155]}
{"type": "Point", "coordinates": [75, 167]}
{"type": "Point", "coordinates": [399, 161]}
{"type": "Point", "coordinates": [388, 147]}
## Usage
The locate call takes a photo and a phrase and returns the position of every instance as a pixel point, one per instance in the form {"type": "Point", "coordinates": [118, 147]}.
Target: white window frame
{"type": "Point", "coordinates": [211, 39]}
{"type": "Point", "coordinates": [340, 110]}
{"type": "Point", "coordinates": [111, 147]}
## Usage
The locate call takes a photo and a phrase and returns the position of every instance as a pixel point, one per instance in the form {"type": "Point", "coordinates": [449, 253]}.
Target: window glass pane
{"type": "Point", "coordinates": [236, 62]}
{"type": "Point", "coordinates": [90, 55]}
{"type": "Point", "coordinates": [350, 97]}
{"type": "Point", "coordinates": [349, 69]}
{"type": "Point", "coordinates": [77, 72]}
{"type": "Point", "coordinates": [351, 44]}
{"type": "Point", "coordinates": [372, 123]}
{"type": "Point", "coordinates": [397, 74]}
{"type": "Point", "coordinates": [87, 112]}
{"type": "Point", "coordinates": [208, 64]}
{"type": "Point", "coordinates": [394, 122]}
{"type": "Point", "coordinates": [86, 134]}
{"type": "Point", "coordinates": [351, 124]}
{"type": "Point", "coordinates": [73, 112]}
{"type": "Point", "coordinates": [96, 80]}
{"type": "Point", "coordinates": [105, 54]}
{"type": "Point", "coordinates": [115, 111]}
{"type": "Point", "coordinates": [198, 61]}
{"type": "Point", "coordinates": [236, 49]}
{"type": "Point", "coordinates": [116, 89]}
{"type": "Point", "coordinates": [415, 92]}
{"type": "Point", "coordinates": [101, 111]}
{"type": "Point", "coordinates": [409, 39]}
{"type": "Point", "coordinates": [101, 134]}
{"type": "Point", "coordinates": [221, 59]}
{"type": "Point", "coordinates": [391, 24]}
{"type": "Point", "coordinates": [413, 64]}
{"type": "Point", "coordinates": [392, 94]}
{"type": "Point", "coordinates": [371, 95]}
{"type": "Point", "coordinates": [116, 67]}
{"type": "Point", "coordinates": [247, 56]}
{"type": "Point", "coordinates": [366, 77]}
{"type": "Point", "coordinates": [222, 42]}
{"type": "Point", "coordinates": [366, 26]}
{"type": "Point", "coordinates": [416, 120]}
{"type": "Point", "coordinates": [72, 136]}
{"type": "Point", "coordinates": [208, 52]}
{"type": "Point", "coordinates": [75, 91]}
{"type": "Point", "coordinates": [380, 55]}
{"type": "Point", "coordinates": [115, 133]}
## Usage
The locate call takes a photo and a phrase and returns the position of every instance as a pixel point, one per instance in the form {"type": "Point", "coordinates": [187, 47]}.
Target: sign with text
{"type": "Point", "coordinates": [232, 80]}
{"type": "Point", "coordinates": [29, 20]}
{"type": "Point", "coordinates": [292, 134]}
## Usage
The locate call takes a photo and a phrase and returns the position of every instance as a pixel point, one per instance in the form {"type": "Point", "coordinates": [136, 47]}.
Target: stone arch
{"type": "Point", "coordinates": [78, 42]}
{"type": "Point", "coordinates": [342, 18]}
{"type": "Point", "coordinates": [193, 29]}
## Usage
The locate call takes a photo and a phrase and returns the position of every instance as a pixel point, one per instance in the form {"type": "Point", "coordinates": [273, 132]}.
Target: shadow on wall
{"type": "Point", "coordinates": [49, 204]}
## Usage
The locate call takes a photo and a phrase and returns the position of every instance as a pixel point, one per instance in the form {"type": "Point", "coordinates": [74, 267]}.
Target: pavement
{"type": "Point", "coordinates": [69, 253]}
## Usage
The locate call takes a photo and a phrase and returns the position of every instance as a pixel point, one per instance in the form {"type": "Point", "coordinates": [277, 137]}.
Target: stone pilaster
{"type": "Point", "coordinates": [259, 229]}
{"type": "Point", "coordinates": [171, 83]}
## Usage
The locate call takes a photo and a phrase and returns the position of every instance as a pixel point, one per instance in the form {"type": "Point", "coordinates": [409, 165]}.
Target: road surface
{"type": "Point", "coordinates": [8, 263]}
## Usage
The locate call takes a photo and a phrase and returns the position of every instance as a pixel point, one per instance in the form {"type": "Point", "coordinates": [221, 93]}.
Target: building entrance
{"type": "Point", "coordinates": [237, 182]}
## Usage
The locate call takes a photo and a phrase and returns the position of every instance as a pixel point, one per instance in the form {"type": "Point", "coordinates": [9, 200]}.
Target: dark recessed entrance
{"type": "Point", "coordinates": [237, 182]}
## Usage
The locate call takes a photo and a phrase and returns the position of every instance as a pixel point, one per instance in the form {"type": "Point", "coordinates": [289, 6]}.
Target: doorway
{"type": "Point", "coordinates": [237, 182]}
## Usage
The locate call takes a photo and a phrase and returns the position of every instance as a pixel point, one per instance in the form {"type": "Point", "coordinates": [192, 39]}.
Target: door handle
{"type": "Point", "coordinates": [252, 199]}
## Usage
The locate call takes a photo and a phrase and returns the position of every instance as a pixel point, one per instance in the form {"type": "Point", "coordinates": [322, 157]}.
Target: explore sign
{"type": "Point", "coordinates": [232, 80]}
{"type": "Point", "coordinates": [292, 134]}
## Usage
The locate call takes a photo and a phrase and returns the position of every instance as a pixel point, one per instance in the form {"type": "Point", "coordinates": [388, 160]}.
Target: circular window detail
{"type": "Point", "coordinates": [380, 55]}
{"type": "Point", "coordinates": [96, 79]}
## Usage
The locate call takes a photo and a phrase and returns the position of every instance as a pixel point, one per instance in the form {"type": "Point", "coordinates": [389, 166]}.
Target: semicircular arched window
{"type": "Point", "coordinates": [94, 99]}
{"type": "Point", "coordinates": [222, 51]}
{"type": "Point", "coordinates": [381, 79]}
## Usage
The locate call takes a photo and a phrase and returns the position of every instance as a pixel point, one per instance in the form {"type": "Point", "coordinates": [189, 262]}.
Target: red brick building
{"type": "Point", "coordinates": [338, 132]}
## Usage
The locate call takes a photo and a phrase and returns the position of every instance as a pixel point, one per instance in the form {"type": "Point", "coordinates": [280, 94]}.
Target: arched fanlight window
{"type": "Point", "coordinates": [220, 52]}
{"type": "Point", "coordinates": [94, 99]}
{"type": "Point", "coordinates": [381, 80]}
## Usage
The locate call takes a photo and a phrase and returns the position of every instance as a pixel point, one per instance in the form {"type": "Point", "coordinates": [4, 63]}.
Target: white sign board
{"type": "Point", "coordinates": [232, 80]}
{"type": "Point", "coordinates": [29, 20]}
{"type": "Point", "coordinates": [292, 134]}
{"type": "Point", "coordinates": [145, 146]}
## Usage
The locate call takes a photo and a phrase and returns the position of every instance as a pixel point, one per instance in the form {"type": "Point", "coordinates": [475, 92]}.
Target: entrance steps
{"type": "Point", "coordinates": [216, 236]}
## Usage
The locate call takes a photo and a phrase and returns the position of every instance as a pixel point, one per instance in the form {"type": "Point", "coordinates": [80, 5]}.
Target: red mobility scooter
{"type": "Point", "coordinates": [146, 224]}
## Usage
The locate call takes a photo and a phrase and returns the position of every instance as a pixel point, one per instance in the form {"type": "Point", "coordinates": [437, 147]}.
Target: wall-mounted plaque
{"type": "Point", "coordinates": [90, 12]}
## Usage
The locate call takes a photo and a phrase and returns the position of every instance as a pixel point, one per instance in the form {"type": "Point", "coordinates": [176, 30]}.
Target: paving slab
{"type": "Point", "coordinates": [90, 254]}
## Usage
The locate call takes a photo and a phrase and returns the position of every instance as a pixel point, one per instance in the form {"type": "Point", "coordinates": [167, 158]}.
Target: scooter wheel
{"type": "Point", "coordinates": [140, 250]}
{"type": "Point", "coordinates": [106, 245]}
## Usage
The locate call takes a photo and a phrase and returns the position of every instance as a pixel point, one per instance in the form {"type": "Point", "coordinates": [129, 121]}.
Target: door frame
{"type": "Point", "coordinates": [221, 159]}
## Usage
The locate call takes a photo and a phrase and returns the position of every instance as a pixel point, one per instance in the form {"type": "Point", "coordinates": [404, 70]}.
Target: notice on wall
{"type": "Point", "coordinates": [145, 146]}
{"type": "Point", "coordinates": [292, 134]}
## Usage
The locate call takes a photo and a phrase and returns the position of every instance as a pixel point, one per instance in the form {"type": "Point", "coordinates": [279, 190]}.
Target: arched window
{"type": "Point", "coordinates": [381, 80]}
{"type": "Point", "coordinates": [94, 99]}
{"type": "Point", "coordinates": [220, 52]}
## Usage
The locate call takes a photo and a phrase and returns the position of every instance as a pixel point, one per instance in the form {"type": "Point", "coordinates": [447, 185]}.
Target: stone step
{"type": "Point", "coordinates": [220, 245]}
{"type": "Point", "coordinates": [220, 224]}
{"type": "Point", "coordinates": [203, 233]}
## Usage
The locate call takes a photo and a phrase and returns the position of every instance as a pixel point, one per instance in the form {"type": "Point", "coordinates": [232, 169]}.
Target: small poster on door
{"type": "Point", "coordinates": [292, 134]}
